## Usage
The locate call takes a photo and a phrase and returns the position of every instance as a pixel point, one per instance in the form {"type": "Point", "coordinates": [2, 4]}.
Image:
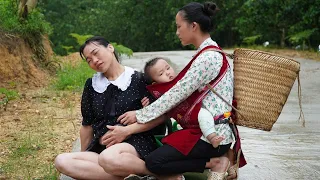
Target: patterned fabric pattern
{"type": "Point", "coordinates": [205, 68]}
{"type": "Point", "coordinates": [101, 109]}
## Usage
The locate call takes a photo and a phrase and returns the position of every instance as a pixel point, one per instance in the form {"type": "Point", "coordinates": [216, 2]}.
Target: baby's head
{"type": "Point", "coordinates": [159, 70]}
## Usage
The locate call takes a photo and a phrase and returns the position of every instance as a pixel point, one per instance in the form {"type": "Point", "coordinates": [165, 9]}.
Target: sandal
{"type": "Point", "coordinates": [234, 170]}
{"type": "Point", "coordinates": [218, 176]}
{"type": "Point", "coordinates": [137, 177]}
{"type": "Point", "coordinates": [133, 177]}
{"type": "Point", "coordinates": [182, 177]}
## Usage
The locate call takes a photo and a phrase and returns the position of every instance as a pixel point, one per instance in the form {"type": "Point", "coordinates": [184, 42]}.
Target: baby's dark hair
{"type": "Point", "coordinates": [148, 65]}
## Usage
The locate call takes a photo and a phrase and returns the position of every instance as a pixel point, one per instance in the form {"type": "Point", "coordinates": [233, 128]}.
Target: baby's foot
{"type": "Point", "coordinates": [216, 141]}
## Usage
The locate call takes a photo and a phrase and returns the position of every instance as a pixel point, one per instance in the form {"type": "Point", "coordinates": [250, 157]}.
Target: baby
{"type": "Point", "coordinates": [159, 70]}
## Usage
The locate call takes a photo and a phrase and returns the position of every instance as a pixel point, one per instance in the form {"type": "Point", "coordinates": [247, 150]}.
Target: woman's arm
{"type": "Point", "coordinates": [86, 131]}
{"type": "Point", "coordinates": [138, 128]}
{"type": "Point", "coordinates": [203, 70]}
{"type": "Point", "coordinates": [119, 133]}
{"type": "Point", "coordinates": [86, 135]}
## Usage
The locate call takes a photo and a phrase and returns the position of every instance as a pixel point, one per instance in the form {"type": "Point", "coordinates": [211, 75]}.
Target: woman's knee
{"type": "Point", "coordinates": [109, 161]}
{"type": "Point", "coordinates": [112, 159]}
{"type": "Point", "coordinates": [61, 161]}
{"type": "Point", "coordinates": [154, 164]}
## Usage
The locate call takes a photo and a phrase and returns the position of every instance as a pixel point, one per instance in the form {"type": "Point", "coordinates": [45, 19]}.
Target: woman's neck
{"type": "Point", "coordinates": [200, 39]}
{"type": "Point", "coordinates": [114, 71]}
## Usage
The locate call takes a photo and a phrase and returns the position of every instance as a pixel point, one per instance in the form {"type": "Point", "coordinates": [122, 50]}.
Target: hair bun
{"type": "Point", "coordinates": [210, 8]}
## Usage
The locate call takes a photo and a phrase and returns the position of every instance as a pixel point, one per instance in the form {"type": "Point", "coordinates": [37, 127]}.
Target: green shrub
{"type": "Point", "coordinates": [7, 95]}
{"type": "Point", "coordinates": [10, 21]}
{"type": "Point", "coordinates": [81, 39]}
{"type": "Point", "coordinates": [251, 40]}
{"type": "Point", "coordinates": [73, 77]}
{"type": "Point", "coordinates": [31, 27]}
{"type": "Point", "coordinates": [302, 37]}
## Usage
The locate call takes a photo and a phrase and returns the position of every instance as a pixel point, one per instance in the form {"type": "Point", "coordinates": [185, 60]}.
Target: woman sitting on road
{"type": "Point", "coordinates": [112, 91]}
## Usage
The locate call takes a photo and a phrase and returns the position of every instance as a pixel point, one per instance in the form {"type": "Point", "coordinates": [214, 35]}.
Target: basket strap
{"type": "Point", "coordinates": [216, 93]}
{"type": "Point", "coordinates": [208, 85]}
{"type": "Point", "coordinates": [301, 117]}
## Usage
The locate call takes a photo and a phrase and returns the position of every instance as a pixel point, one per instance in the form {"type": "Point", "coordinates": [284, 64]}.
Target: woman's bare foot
{"type": "Point", "coordinates": [222, 166]}
{"type": "Point", "coordinates": [218, 171]}
{"type": "Point", "coordinates": [233, 169]}
{"type": "Point", "coordinates": [212, 162]}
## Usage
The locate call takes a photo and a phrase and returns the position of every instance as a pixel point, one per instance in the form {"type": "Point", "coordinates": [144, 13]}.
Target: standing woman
{"type": "Point", "coordinates": [112, 91]}
{"type": "Point", "coordinates": [181, 152]}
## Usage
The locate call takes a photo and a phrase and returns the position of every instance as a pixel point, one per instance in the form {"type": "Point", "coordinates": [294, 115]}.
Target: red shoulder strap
{"type": "Point", "coordinates": [160, 88]}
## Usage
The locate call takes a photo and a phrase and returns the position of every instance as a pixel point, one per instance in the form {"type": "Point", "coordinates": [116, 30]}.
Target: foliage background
{"type": "Point", "coordinates": [149, 25]}
{"type": "Point", "coordinates": [39, 124]}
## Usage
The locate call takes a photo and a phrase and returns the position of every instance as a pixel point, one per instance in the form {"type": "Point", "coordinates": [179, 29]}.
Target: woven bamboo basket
{"type": "Point", "coordinates": [263, 82]}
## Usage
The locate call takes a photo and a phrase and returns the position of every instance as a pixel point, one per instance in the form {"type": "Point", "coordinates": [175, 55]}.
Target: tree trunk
{"type": "Point", "coordinates": [26, 6]}
{"type": "Point", "coordinates": [21, 7]}
{"type": "Point", "coordinates": [31, 4]}
{"type": "Point", "coordinates": [283, 37]}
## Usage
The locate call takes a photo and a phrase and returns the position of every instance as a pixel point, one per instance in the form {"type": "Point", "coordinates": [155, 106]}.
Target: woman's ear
{"type": "Point", "coordinates": [110, 47]}
{"type": "Point", "coordinates": [194, 26]}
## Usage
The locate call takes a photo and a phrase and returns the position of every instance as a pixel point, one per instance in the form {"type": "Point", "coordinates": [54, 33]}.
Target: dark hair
{"type": "Point", "coordinates": [99, 40]}
{"type": "Point", "coordinates": [200, 13]}
{"type": "Point", "coordinates": [148, 65]}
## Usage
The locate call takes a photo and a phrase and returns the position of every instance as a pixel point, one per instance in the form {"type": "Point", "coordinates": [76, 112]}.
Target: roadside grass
{"type": "Point", "coordinates": [72, 77]}
{"type": "Point", "coordinates": [7, 95]}
{"type": "Point", "coordinates": [23, 160]}
{"type": "Point", "coordinates": [34, 130]}
{"type": "Point", "coordinates": [41, 124]}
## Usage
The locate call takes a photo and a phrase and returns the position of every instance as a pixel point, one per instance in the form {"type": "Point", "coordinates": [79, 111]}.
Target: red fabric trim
{"type": "Point", "coordinates": [186, 113]}
{"type": "Point", "coordinates": [237, 147]}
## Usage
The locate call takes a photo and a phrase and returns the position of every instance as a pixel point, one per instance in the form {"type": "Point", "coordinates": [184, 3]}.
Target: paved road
{"type": "Point", "coordinates": [288, 151]}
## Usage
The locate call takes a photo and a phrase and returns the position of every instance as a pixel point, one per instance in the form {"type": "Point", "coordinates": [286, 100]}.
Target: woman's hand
{"type": "Point", "coordinates": [127, 118]}
{"type": "Point", "coordinates": [145, 101]}
{"type": "Point", "coordinates": [115, 135]}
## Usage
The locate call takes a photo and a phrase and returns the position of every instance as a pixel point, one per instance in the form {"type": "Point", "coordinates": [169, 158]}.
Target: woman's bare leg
{"type": "Point", "coordinates": [82, 165]}
{"type": "Point", "coordinates": [231, 157]}
{"type": "Point", "coordinates": [121, 160]}
{"type": "Point", "coordinates": [218, 164]}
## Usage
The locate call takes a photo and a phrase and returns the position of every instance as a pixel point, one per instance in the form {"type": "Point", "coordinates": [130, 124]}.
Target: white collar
{"type": "Point", "coordinates": [100, 83]}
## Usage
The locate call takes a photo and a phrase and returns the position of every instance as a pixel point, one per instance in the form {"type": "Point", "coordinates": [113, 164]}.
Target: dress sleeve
{"type": "Point", "coordinates": [86, 104]}
{"type": "Point", "coordinates": [204, 69]}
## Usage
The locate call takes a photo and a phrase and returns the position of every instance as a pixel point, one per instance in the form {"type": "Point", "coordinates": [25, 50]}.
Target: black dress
{"type": "Point", "coordinates": [102, 109]}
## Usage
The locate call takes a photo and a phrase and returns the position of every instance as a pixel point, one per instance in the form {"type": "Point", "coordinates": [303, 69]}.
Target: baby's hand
{"type": "Point", "coordinates": [216, 141]}
{"type": "Point", "coordinates": [127, 118]}
{"type": "Point", "coordinates": [145, 101]}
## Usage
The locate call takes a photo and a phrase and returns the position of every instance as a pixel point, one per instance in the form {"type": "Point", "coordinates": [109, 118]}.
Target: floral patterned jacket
{"type": "Point", "coordinates": [203, 70]}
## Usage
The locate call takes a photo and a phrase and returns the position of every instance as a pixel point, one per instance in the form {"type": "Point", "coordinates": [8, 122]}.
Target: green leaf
{"type": "Point", "coordinates": [251, 40]}
{"type": "Point", "coordinates": [81, 39]}
{"type": "Point", "coordinates": [302, 36]}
